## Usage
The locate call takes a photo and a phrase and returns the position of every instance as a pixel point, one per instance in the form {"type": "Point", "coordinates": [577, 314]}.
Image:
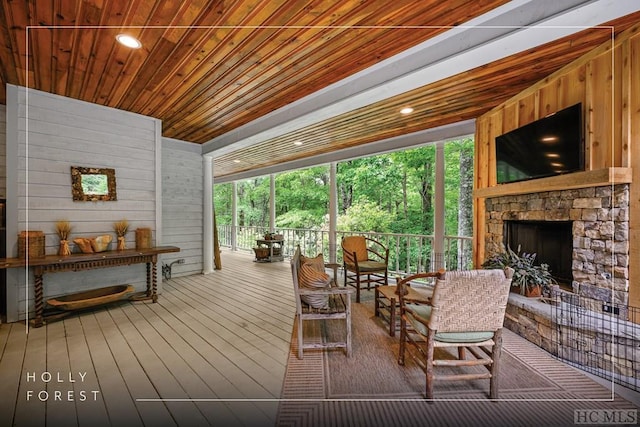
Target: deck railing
{"type": "Point", "coordinates": [408, 253]}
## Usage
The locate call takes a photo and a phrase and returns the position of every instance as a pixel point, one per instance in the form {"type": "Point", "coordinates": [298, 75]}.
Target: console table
{"type": "Point", "coordinates": [81, 262]}
{"type": "Point", "coordinates": [269, 244]}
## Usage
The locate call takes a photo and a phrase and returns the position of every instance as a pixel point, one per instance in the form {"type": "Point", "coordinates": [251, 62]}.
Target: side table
{"type": "Point", "coordinates": [387, 303]}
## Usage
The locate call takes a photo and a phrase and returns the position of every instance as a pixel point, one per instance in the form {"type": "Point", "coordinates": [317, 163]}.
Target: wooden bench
{"type": "Point", "coordinates": [339, 307]}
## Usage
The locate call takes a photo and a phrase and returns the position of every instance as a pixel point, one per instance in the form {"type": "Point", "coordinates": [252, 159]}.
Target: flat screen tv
{"type": "Point", "coordinates": [549, 146]}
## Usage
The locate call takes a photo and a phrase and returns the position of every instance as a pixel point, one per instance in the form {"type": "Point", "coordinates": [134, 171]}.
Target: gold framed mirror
{"type": "Point", "coordinates": [93, 184]}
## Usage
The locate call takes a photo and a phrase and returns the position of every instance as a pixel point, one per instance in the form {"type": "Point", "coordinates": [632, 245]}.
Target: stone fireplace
{"type": "Point", "coordinates": [598, 246]}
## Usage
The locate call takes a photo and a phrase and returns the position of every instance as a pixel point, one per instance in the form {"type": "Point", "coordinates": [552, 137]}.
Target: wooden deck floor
{"type": "Point", "coordinates": [202, 355]}
{"type": "Point", "coordinates": [212, 351]}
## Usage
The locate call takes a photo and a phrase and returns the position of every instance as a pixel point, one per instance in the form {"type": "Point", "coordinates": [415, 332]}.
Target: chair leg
{"type": "Point", "coordinates": [403, 339]}
{"type": "Point", "coordinates": [495, 366]}
{"type": "Point", "coordinates": [357, 288]}
{"type": "Point", "coordinates": [300, 338]}
{"type": "Point", "coordinates": [461, 353]}
{"type": "Point", "coordinates": [429, 364]}
{"type": "Point", "coordinates": [348, 321]}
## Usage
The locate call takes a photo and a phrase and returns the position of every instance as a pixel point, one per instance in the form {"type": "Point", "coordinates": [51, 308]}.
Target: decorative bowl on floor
{"type": "Point", "coordinates": [90, 298]}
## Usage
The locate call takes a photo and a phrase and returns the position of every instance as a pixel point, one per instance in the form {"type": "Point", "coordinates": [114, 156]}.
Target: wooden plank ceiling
{"type": "Point", "coordinates": [209, 67]}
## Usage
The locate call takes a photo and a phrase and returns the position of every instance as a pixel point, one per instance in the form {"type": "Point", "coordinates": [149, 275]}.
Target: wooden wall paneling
{"type": "Point", "coordinates": [510, 117]}
{"type": "Point", "coordinates": [527, 109]}
{"type": "Point", "coordinates": [481, 181]}
{"type": "Point", "coordinates": [617, 110]}
{"type": "Point", "coordinates": [634, 154]}
{"type": "Point", "coordinates": [64, 132]}
{"type": "Point", "coordinates": [548, 98]}
{"type": "Point", "coordinates": [599, 111]}
{"type": "Point", "coordinates": [626, 99]}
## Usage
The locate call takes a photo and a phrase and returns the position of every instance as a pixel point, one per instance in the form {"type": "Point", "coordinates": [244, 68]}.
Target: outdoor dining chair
{"type": "Point", "coordinates": [365, 262]}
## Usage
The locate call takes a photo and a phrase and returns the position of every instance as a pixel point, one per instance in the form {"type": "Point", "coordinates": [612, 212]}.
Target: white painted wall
{"type": "Point", "coordinates": [182, 205]}
{"type": "Point", "coordinates": [47, 134]}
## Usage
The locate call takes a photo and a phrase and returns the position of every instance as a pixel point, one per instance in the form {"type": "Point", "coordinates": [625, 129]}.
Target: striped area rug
{"type": "Point", "coordinates": [371, 389]}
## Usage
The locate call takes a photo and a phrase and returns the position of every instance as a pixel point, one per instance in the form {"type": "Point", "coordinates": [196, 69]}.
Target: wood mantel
{"type": "Point", "coordinates": [81, 262]}
{"type": "Point", "coordinates": [594, 178]}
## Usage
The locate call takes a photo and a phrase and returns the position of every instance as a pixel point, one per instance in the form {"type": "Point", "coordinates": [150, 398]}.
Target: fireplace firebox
{"type": "Point", "coordinates": [551, 241]}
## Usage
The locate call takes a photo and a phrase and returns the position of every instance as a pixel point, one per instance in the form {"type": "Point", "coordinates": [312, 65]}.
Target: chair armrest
{"type": "Point", "coordinates": [328, 291]}
{"type": "Point", "coordinates": [416, 316]}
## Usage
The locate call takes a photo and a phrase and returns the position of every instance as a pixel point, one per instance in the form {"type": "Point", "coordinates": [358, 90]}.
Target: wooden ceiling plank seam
{"type": "Point", "coordinates": [247, 61]}
{"type": "Point", "coordinates": [444, 12]}
{"type": "Point", "coordinates": [178, 32]}
{"type": "Point", "coordinates": [89, 15]}
{"type": "Point", "coordinates": [8, 66]}
{"type": "Point", "coordinates": [65, 16]}
{"type": "Point", "coordinates": [103, 51]}
{"type": "Point", "coordinates": [19, 18]}
{"type": "Point", "coordinates": [119, 55]}
{"type": "Point", "coordinates": [140, 23]}
{"type": "Point", "coordinates": [161, 52]}
{"type": "Point", "coordinates": [124, 61]}
{"type": "Point", "coordinates": [209, 81]}
{"type": "Point", "coordinates": [340, 30]}
{"type": "Point", "coordinates": [187, 76]}
{"type": "Point", "coordinates": [271, 85]}
{"type": "Point", "coordinates": [40, 40]}
{"type": "Point", "coordinates": [257, 99]}
{"type": "Point", "coordinates": [213, 13]}
{"type": "Point", "coordinates": [273, 148]}
{"type": "Point", "coordinates": [334, 23]}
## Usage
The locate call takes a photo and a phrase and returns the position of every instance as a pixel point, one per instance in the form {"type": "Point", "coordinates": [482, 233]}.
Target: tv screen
{"type": "Point", "coordinates": [549, 146]}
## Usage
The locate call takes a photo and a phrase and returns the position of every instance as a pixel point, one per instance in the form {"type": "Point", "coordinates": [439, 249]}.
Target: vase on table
{"type": "Point", "coordinates": [64, 248]}
{"type": "Point", "coordinates": [121, 243]}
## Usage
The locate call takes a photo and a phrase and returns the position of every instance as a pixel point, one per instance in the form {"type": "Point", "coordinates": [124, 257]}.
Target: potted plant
{"type": "Point", "coordinates": [533, 280]}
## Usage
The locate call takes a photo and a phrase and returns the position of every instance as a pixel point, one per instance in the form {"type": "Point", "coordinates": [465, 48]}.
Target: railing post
{"type": "Point", "coordinates": [438, 241]}
{"type": "Point", "coordinates": [234, 216]}
{"type": "Point", "coordinates": [333, 211]}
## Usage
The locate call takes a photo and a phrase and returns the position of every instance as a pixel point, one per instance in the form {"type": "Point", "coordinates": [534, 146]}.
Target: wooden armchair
{"type": "Point", "coordinates": [466, 313]}
{"type": "Point", "coordinates": [365, 262]}
{"type": "Point", "coordinates": [319, 298]}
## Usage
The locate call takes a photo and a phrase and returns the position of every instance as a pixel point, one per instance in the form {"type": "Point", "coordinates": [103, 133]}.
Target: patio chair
{"type": "Point", "coordinates": [365, 262]}
{"type": "Point", "coordinates": [466, 313]}
{"type": "Point", "coordinates": [319, 298]}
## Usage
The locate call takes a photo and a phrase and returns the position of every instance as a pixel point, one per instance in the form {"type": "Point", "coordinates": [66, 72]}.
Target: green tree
{"type": "Point", "coordinates": [364, 215]}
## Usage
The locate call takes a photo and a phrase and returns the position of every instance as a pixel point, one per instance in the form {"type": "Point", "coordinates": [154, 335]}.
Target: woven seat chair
{"type": "Point", "coordinates": [466, 313]}
{"type": "Point", "coordinates": [323, 303]}
{"type": "Point", "coordinates": [365, 262]}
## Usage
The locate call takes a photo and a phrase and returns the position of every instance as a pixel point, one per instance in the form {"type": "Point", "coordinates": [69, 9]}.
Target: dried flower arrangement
{"type": "Point", "coordinates": [121, 228]}
{"type": "Point", "coordinates": [63, 229]}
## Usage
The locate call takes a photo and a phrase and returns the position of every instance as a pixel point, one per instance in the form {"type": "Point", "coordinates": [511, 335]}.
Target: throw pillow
{"type": "Point", "coordinates": [310, 278]}
{"type": "Point", "coordinates": [317, 262]}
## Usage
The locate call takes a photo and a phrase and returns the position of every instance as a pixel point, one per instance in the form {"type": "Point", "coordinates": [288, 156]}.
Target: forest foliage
{"type": "Point", "coordinates": [387, 193]}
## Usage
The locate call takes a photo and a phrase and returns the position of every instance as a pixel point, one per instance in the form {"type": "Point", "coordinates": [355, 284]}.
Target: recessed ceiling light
{"type": "Point", "coordinates": [549, 139]}
{"type": "Point", "coordinates": [297, 142]}
{"type": "Point", "coordinates": [236, 161]}
{"type": "Point", "coordinates": [406, 110]}
{"type": "Point", "coordinates": [129, 41]}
